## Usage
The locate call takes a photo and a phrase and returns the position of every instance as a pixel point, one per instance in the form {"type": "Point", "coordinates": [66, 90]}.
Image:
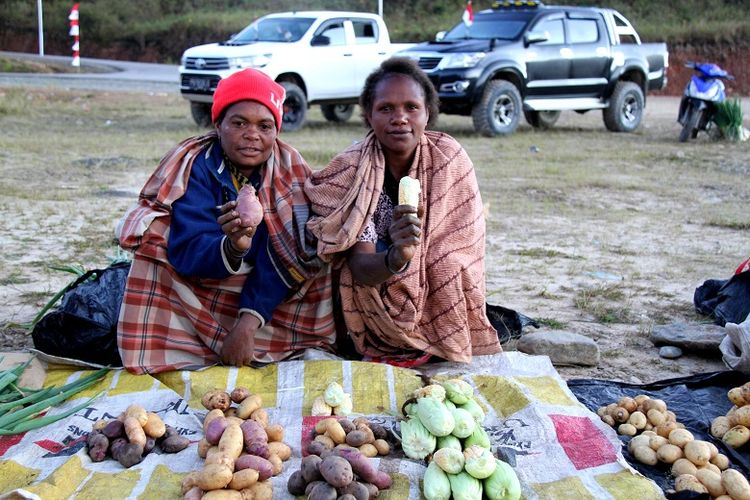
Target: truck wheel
{"type": "Point", "coordinates": [295, 107]}
{"type": "Point", "coordinates": [201, 114]}
{"type": "Point", "coordinates": [625, 110]}
{"type": "Point", "coordinates": [499, 110]}
{"type": "Point", "coordinates": [542, 119]}
{"type": "Point", "coordinates": [337, 112]}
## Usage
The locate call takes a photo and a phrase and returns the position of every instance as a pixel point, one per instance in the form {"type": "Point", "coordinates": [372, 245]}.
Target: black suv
{"type": "Point", "coordinates": [536, 59]}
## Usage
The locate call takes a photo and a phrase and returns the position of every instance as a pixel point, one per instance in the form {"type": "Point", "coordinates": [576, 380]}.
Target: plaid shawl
{"type": "Point", "coordinates": [438, 305]}
{"type": "Point", "coordinates": [169, 321]}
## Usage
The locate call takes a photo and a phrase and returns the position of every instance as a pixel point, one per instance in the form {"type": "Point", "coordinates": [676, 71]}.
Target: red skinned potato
{"type": "Point", "coordinates": [362, 467]}
{"type": "Point", "coordinates": [263, 466]}
{"type": "Point", "coordinates": [248, 206]}
{"type": "Point", "coordinates": [215, 429]}
{"type": "Point", "coordinates": [254, 435]}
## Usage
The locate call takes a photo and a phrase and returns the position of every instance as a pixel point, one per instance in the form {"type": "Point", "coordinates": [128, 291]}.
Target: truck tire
{"type": "Point", "coordinates": [338, 113]}
{"type": "Point", "coordinates": [499, 110]}
{"type": "Point", "coordinates": [625, 110]}
{"type": "Point", "coordinates": [201, 112]}
{"type": "Point", "coordinates": [542, 119]}
{"type": "Point", "coordinates": [295, 107]}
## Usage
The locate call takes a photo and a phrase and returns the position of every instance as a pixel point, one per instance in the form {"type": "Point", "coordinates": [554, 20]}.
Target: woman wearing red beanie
{"type": "Point", "coordinates": [203, 288]}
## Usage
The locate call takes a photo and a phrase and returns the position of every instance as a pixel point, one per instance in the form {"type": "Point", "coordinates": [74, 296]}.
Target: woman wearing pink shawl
{"type": "Point", "coordinates": [411, 281]}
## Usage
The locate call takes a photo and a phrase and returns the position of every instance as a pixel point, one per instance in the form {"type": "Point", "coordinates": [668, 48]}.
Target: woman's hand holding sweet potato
{"type": "Point", "coordinates": [231, 225]}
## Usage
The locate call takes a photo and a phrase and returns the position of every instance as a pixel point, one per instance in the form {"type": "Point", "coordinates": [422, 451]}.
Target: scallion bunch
{"type": "Point", "coordinates": [21, 408]}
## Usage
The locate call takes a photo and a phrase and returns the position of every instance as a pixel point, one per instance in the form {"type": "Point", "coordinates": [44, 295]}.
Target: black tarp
{"type": "Point", "coordinates": [696, 400]}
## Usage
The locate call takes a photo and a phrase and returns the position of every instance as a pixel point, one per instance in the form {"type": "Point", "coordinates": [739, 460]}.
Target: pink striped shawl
{"type": "Point", "coordinates": [438, 304]}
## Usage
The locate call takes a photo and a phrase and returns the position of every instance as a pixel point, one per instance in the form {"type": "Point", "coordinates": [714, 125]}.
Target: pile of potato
{"type": "Point", "coordinates": [337, 464]}
{"type": "Point", "coordinates": [631, 416]}
{"type": "Point", "coordinates": [734, 428]}
{"type": "Point", "coordinates": [333, 401]}
{"type": "Point", "coordinates": [696, 465]}
{"type": "Point", "coordinates": [132, 436]}
{"type": "Point", "coordinates": [242, 450]}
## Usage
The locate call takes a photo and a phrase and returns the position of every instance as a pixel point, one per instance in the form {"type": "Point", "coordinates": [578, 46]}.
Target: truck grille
{"type": "Point", "coordinates": [207, 63]}
{"type": "Point", "coordinates": [428, 63]}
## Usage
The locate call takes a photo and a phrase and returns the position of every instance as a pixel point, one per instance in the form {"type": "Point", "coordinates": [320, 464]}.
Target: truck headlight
{"type": "Point", "coordinates": [257, 61]}
{"type": "Point", "coordinates": [467, 60]}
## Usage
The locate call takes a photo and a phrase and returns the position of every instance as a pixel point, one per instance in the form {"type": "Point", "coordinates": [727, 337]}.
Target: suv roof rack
{"type": "Point", "coordinates": [506, 4]}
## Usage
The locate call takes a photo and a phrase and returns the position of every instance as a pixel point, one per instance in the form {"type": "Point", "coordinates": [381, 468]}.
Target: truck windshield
{"type": "Point", "coordinates": [487, 25]}
{"type": "Point", "coordinates": [273, 29]}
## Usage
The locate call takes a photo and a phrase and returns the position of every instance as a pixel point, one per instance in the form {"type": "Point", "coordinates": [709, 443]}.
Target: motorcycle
{"type": "Point", "coordinates": [703, 92]}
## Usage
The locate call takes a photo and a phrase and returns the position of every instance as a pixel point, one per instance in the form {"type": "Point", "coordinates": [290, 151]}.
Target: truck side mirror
{"type": "Point", "coordinates": [535, 37]}
{"type": "Point", "coordinates": [320, 40]}
{"type": "Point", "coordinates": [439, 36]}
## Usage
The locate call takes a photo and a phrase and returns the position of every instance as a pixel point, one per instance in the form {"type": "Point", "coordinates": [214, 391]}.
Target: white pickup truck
{"type": "Point", "coordinates": [320, 57]}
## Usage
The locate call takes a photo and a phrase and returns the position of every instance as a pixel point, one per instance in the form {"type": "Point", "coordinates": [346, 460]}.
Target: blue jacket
{"type": "Point", "coordinates": [195, 237]}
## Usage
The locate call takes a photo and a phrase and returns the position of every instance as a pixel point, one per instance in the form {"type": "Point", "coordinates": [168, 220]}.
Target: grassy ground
{"type": "Point", "coordinates": [598, 233]}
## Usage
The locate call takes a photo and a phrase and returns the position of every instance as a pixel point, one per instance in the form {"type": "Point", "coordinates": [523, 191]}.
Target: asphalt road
{"type": "Point", "coordinates": [111, 75]}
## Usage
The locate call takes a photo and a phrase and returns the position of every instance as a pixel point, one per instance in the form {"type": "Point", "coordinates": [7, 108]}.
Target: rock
{"type": "Point", "coordinates": [670, 352]}
{"type": "Point", "coordinates": [563, 348]}
{"type": "Point", "coordinates": [689, 337]}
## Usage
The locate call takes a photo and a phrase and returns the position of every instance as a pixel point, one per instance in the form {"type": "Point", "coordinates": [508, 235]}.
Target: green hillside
{"type": "Point", "coordinates": [159, 30]}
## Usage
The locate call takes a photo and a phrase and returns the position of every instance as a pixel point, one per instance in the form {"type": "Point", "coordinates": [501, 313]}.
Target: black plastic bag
{"type": "Point", "coordinates": [508, 323]}
{"type": "Point", "coordinates": [84, 325]}
{"type": "Point", "coordinates": [727, 301]}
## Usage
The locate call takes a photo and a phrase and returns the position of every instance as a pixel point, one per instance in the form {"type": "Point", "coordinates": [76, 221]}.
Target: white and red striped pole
{"type": "Point", "coordinates": [75, 32]}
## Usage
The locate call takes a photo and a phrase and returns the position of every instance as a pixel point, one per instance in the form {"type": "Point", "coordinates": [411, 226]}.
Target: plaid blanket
{"type": "Point", "coordinates": [169, 321]}
{"type": "Point", "coordinates": [438, 305]}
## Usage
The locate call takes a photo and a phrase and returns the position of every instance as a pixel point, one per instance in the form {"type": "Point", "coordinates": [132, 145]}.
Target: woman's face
{"type": "Point", "coordinates": [247, 133]}
{"type": "Point", "coordinates": [399, 115]}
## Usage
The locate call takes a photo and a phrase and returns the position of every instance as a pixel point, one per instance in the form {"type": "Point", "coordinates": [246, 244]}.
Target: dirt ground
{"type": "Point", "coordinates": [601, 234]}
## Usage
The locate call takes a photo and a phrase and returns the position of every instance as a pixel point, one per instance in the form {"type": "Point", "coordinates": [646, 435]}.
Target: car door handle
{"type": "Point", "coordinates": [348, 55]}
{"type": "Point", "coordinates": [566, 52]}
{"type": "Point", "coordinates": [381, 53]}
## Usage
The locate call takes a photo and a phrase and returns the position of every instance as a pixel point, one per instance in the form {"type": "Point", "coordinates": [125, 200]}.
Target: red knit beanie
{"type": "Point", "coordinates": [249, 85]}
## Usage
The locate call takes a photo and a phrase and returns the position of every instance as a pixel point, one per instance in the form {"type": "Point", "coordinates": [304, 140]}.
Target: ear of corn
{"type": "Point", "coordinates": [408, 191]}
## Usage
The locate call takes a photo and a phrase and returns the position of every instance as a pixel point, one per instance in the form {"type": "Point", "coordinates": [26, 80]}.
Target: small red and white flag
{"type": "Point", "coordinates": [468, 15]}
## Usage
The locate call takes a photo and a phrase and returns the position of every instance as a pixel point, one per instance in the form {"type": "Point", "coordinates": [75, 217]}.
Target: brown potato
{"type": "Point", "coordinates": [213, 477]}
{"type": "Point", "coordinates": [736, 397]}
{"type": "Point", "coordinates": [368, 450]}
{"type": "Point", "coordinates": [721, 461]}
{"type": "Point", "coordinates": [655, 417]}
{"type": "Point", "coordinates": [683, 466]}
{"type": "Point", "coordinates": [645, 454]}
{"type": "Point", "coordinates": [737, 436]}
{"type": "Point", "coordinates": [627, 430]}
{"type": "Point", "coordinates": [656, 442]}
{"type": "Point", "coordinates": [736, 484]}
{"type": "Point", "coordinates": [665, 428]}
{"type": "Point", "coordinates": [382, 446]}
{"type": "Point", "coordinates": [356, 438]}
{"type": "Point", "coordinates": [742, 416]}
{"type": "Point", "coordinates": [282, 450]}
{"type": "Point", "coordinates": [621, 415]}
{"type": "Point", "coordinates": [277, 463]}
{"type": "Point", "coordinates": [275, 432]}
{"type": "Point", "coordinates": [669, 453]}
{"type": "Point", "coordinates": [697, 451]}
{"type": "Point", "coordinates": [680, 436]}
{"type": "Point", "coordinates": [719, 427]}
{"type": "Point", "coordinates": [686, 482]}
{"type": "Point", "coordinates": [637, 420]}
{"type": "Point", "coordinates": [628, 403]}
{"type": "Point", "coordinates": [216, 400]}
{"type": "Point", "coordinates": [607, 419]}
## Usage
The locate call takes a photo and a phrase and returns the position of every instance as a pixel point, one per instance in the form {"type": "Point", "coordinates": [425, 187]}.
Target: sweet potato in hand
{"type": "Point", "coordinates": [249, 207]}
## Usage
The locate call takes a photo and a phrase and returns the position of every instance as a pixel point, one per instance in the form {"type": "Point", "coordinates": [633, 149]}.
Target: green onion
{"type": "Point", "coordinates": [22, 414]}
{"type": "Point", "coordinates": [46, 420]}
